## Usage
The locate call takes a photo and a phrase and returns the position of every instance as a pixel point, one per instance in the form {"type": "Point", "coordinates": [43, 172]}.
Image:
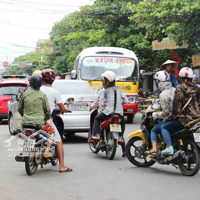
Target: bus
{"type": "Point", "coordinates": [94, 61]}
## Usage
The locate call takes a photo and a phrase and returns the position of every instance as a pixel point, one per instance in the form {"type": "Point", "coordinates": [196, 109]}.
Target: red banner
{"type": "Point", "coordinates": [177, 59]}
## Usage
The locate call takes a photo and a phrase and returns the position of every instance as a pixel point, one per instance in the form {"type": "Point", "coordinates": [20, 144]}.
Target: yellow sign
{"type": "Point", "coordinates": [166, 43]}
{"type": "Point", "coordinates": [127, 87]}
{"type": "Point", "coordinates": [196, 60]}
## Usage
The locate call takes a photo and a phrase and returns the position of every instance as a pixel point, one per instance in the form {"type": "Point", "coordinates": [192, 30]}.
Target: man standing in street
{"type": "Point", "coordinates": [54, 98]}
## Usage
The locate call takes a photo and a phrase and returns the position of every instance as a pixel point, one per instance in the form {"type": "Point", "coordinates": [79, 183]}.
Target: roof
{"type": "Point", "coordinates": [111, 51]}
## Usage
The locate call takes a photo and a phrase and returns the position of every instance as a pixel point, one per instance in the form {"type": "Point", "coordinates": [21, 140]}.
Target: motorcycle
{"type": "Point", "coordinates": [111, 129]}
{"type": "Point", "coordinates": [34, 144]}
{"type": "Point", "coordinates": [186, 143]}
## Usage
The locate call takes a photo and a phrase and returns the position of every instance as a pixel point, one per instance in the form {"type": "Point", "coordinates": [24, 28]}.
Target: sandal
{"type": "Point", "coordinates": [120, 141]}
{"type": "Point", "coordinates": [124, 155]}
{"type": "Point", "coordinates": [49, 155]}
{"type": "Point", "coordinates": [66, 170]}
{"type": "Point", "coordinates": [94, 138]}
{"type": "Point", "coordinates": [152, 153]}
{"type": "Point", "coordinates": [191, 166]}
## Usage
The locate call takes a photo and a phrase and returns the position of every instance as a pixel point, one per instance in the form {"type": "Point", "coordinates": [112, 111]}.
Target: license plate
{"type": "Point", "coordinates": [29, 143]}
{"type": "Point", "coordinates": [115, 128]}
{"type": "Point", "coordinates": [196, 137]}
{"type": "Point", "coordinates": [78, 108]}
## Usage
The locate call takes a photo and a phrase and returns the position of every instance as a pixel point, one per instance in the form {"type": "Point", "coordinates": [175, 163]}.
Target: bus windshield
{"type": "Point", "coordinates": [124, 68]}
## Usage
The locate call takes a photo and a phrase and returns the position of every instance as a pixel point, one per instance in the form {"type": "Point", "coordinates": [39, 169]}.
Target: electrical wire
{"type": "Point", "coordinates": [19, 25]}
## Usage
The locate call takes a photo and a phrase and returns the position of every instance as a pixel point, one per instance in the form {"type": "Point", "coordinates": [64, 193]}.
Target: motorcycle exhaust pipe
{"type": "Point", "coordinates": [19, 158]}
{"type": "Point", "coordinates": [174, 156]}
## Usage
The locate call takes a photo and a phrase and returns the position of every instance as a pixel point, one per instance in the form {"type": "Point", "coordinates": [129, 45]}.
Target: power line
{"type": "Point", "coordinates": [35, 9]}
{"type": "Point", "coordinates": [29, 27]}
{"type": "Point", "coordinates": [17, 45]}
{"type": "Point", "coordinates": [41, 3]}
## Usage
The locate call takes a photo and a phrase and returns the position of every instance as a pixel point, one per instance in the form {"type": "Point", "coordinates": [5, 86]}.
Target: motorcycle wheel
{"type": "Point", "coordinates": [111, 146]}
{"type": "Point", "coordinates": [30, 165]}
{"type": "Point", "coordinates": [192, 157]}
{"type": "Point", "coordinates": [91, 145]}
{"type": "Point", "coordinates": [134, 151]}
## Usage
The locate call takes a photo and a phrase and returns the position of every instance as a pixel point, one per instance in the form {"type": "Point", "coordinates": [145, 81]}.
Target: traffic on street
{"type": "Point", "coordinates": [94, 176]}
{"type": "Point", "coordinates": [99, 99]}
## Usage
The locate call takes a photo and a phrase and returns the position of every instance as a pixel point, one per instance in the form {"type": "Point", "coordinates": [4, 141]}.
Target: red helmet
{"type": "Point", "coordinates": [48, 76]}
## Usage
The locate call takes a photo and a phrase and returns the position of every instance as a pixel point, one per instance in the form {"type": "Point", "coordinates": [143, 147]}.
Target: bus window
{"type": "Point", "coordinates": [124, 68]}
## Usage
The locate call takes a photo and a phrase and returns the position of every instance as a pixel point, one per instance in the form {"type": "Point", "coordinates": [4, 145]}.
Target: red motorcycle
{"type": "Point", "coordinates": [111, 129]}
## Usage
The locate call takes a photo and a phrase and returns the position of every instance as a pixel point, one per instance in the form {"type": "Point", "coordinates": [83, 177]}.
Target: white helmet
{"type": "Point", "coordinates": [110, 75]}
{"type": "Point", "coordinates": [162, 76]}
{"type": "Point", "coordinates": [186, 72]}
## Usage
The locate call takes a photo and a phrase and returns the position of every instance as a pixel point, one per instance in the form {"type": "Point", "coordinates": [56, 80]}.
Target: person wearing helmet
{"type": "Point", "coordinates": [95, 105]}
{"type": "Point", "coordinates": [169, 66]}
{"type": "Point", "coordinates": [54, 98]}
{"type": "Point", "coordinates": [186, 106]}
{"type": "Point", "coordinates": [57, 78]}
{"type": "Point", "coordinates": [166, 97]}
{"type": "Point", "coordinates": [33, 104]}
{"type": "Point", "coordinates": [38, 72]}
{"type": "Point", "coordinates": [108, 96]}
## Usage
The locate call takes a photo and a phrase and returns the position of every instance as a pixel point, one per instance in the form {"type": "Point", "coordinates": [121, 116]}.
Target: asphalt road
{"type": "Point", "coordinates": [94, 177]}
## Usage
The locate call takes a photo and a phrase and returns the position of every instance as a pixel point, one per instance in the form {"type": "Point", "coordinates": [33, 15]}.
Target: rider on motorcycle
{"type": "Point", "coordinates": [38, 72]}
{"type": "Point", "coordinates": [166, 101]}
{"type": "Point", "coordinates": [186, 105]}
{"type": "Point", "coordinates": [94, 105]}
{"type": "Point", "coordinates": [169, 66]}
{"type": "Point", "coordinates": [108, 96]}
{"type": "Point", "coordinates": [54, 97]}
{"type": "Point", "coordinates": [34, 105]}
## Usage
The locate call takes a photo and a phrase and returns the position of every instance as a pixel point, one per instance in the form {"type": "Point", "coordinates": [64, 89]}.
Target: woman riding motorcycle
{"type": "Point", "coordinates": [111, 106]}
{"type": "Point", "coordinates": [166, 100]}
{"type": "Point", "coordinates": [186, 105]}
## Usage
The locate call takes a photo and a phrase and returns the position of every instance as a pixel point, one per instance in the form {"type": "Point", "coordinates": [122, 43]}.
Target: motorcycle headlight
{"type": "Point", "coordinates": [131, 99]}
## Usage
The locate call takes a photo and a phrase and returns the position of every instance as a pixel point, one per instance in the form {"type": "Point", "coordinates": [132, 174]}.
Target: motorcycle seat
{"type": "Point", "coordinates": [31, 126]}
{"type": "Point", "coordinates": [185, 128]}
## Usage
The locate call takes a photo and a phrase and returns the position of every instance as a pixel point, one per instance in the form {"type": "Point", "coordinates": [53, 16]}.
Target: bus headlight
{"type": "Point", "coordinates": [131, 99]}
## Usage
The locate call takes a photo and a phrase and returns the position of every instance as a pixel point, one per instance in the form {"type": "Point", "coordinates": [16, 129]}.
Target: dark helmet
{"type": "Point", "coordinates": [36, 81]}
{"type": "Point", "coordinates": [48, 76]}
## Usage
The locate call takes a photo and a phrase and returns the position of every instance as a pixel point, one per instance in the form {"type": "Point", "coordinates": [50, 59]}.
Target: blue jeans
{"type": "Point", "coordinates": [155, 131]}
{"type": "Point", "coordinates": [169, 127]}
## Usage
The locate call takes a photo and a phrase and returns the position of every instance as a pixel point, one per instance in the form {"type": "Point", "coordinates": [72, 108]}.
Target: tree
{"type": "Point", "coordinates": [26, 64]}
{"type": "Point", "coordinates": [106, 23]}
{"type": "Point", "coordinates": [177, 19]}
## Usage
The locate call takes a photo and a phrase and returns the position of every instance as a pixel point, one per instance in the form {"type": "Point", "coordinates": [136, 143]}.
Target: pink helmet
{"type": "Point", "coordinates": [57, 78]}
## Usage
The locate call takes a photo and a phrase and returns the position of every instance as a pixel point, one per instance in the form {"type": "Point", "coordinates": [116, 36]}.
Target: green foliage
{"type": "Point", "coordinates": [106, 23]}
{"type": "Point", "coordinates": [177, 19]}
{"type": "Point", "coordinates": [131, 24]}
{"type": "Point", "coordinates": [26, 64]}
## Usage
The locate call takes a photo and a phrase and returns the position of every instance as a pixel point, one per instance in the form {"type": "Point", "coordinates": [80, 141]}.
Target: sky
{"type": "Point", "coordinates": [23, 22]}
